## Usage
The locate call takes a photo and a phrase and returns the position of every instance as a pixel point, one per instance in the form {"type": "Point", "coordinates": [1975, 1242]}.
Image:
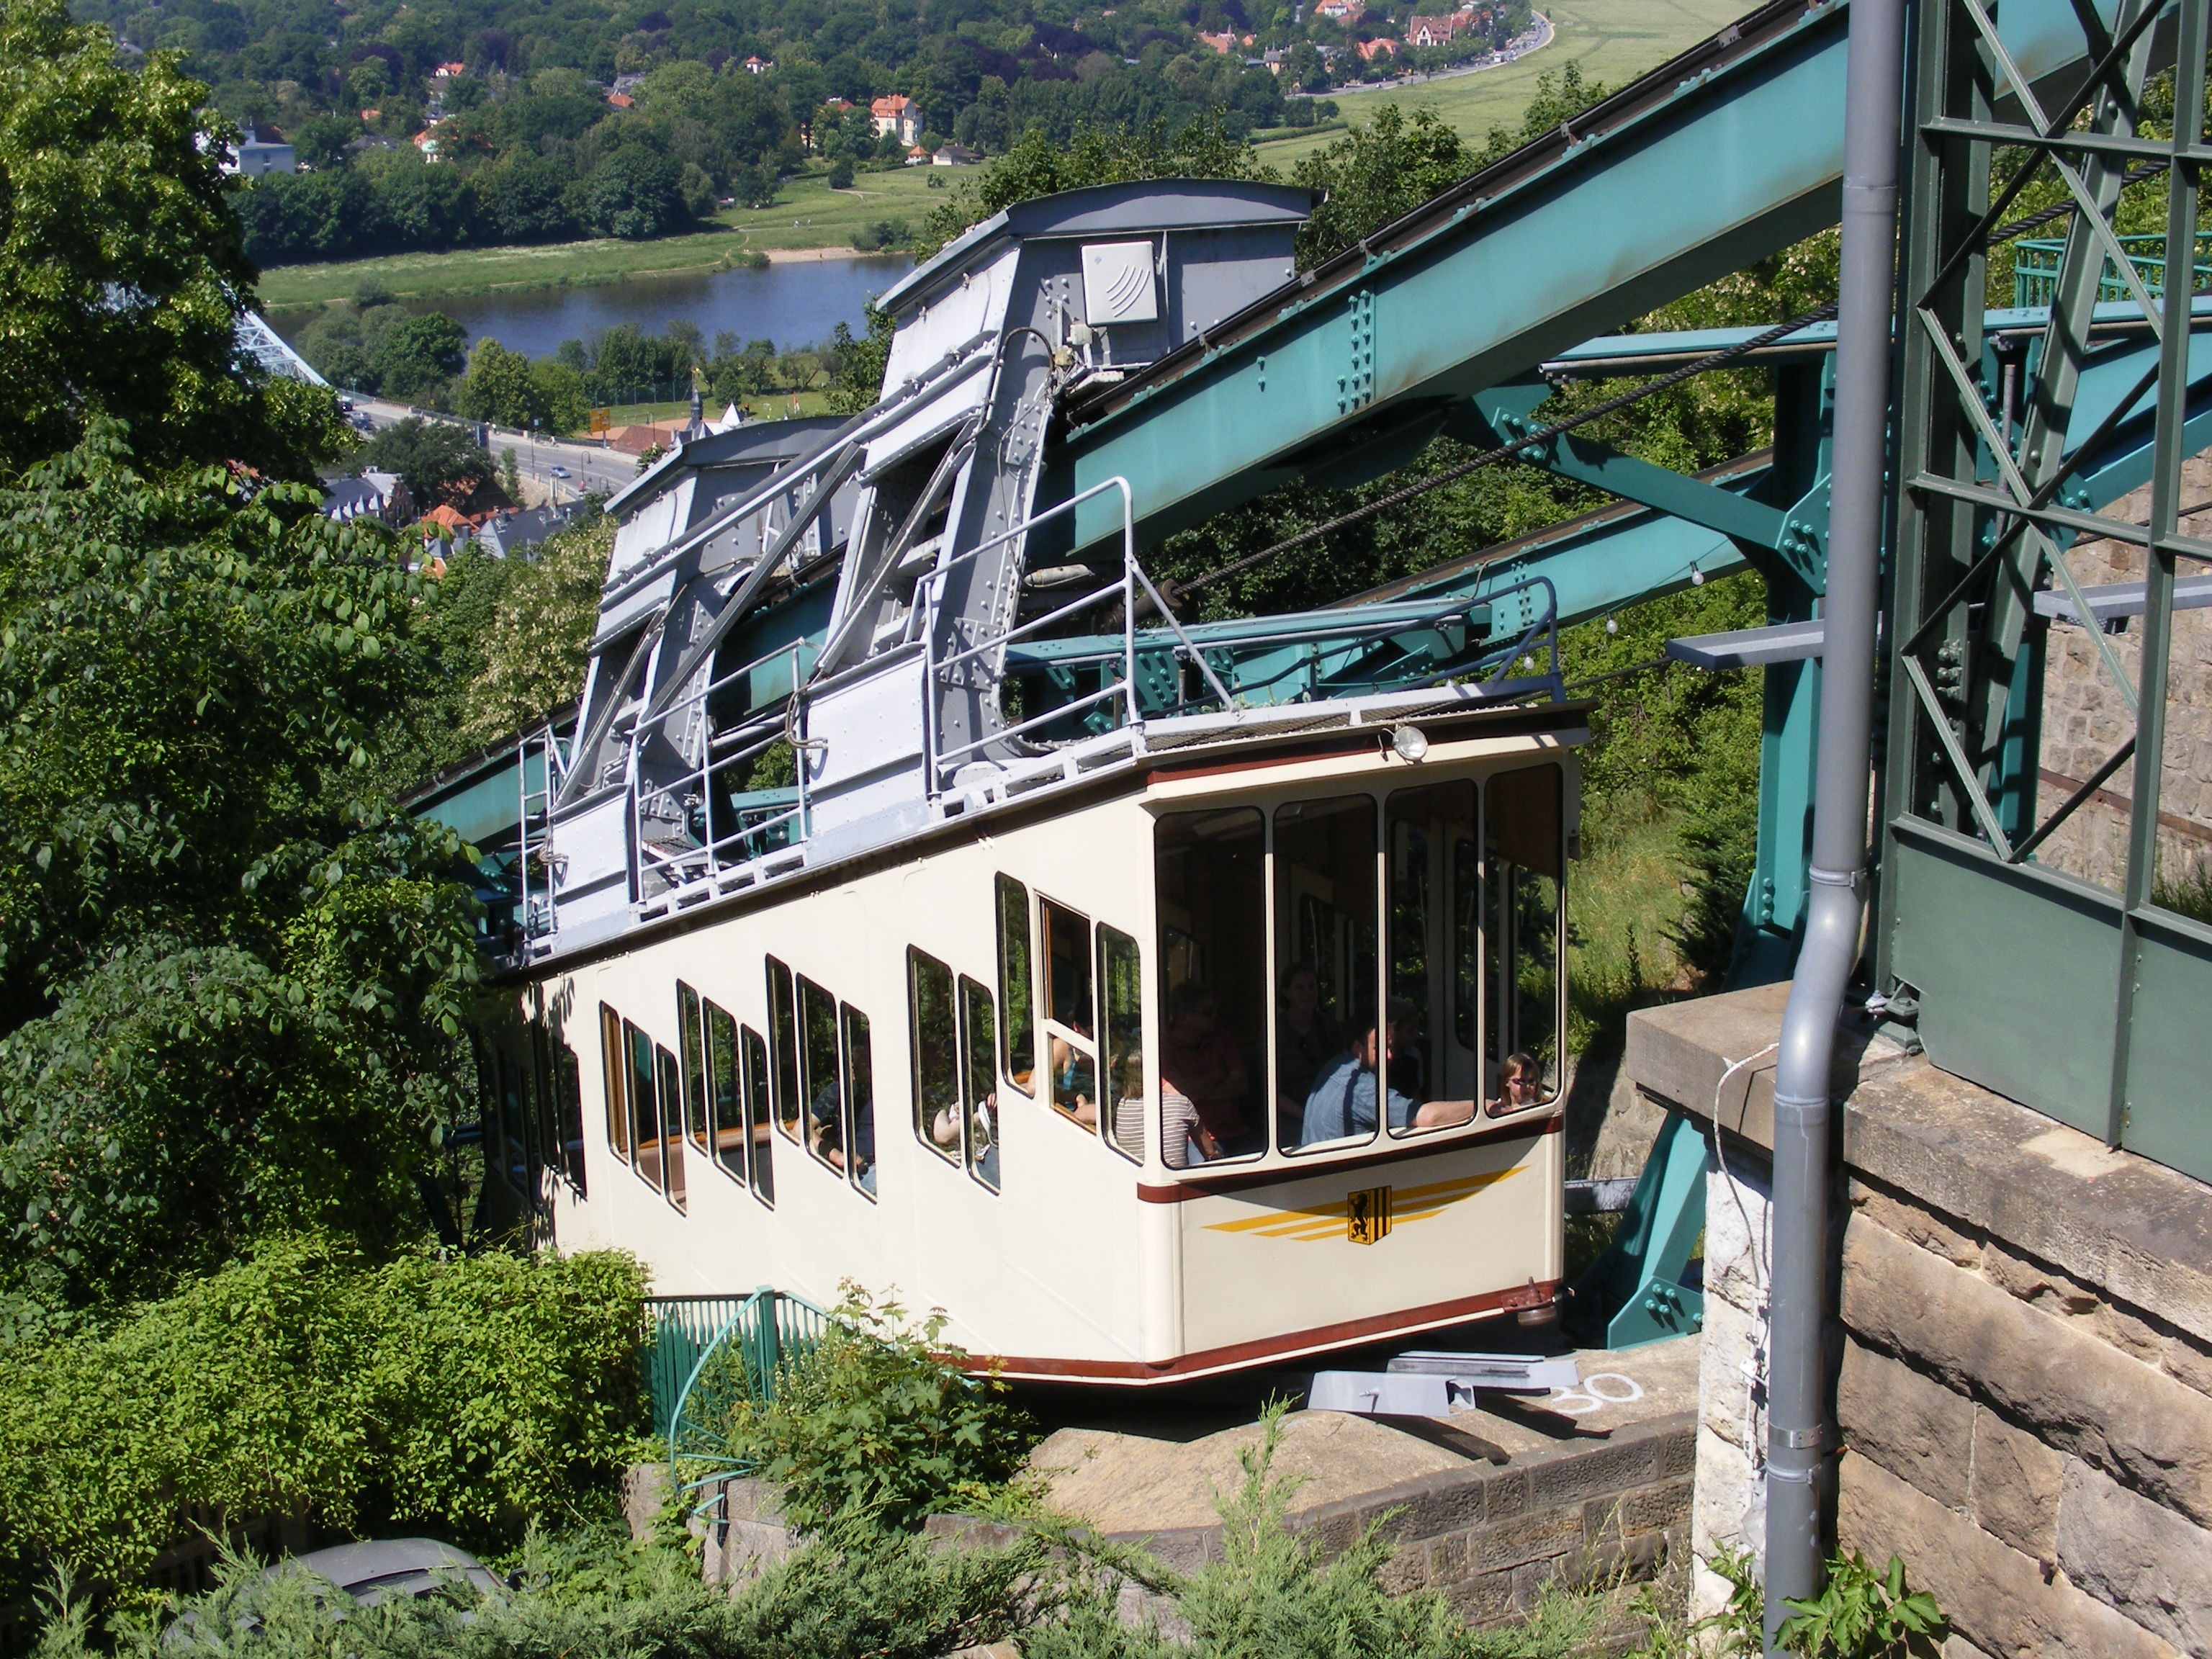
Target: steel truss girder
{"type": "Point", "coordinates": [2072, 1009]}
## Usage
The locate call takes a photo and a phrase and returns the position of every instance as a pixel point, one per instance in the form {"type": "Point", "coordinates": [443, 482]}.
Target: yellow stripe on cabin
{"type": "Point", "coordinates": [1407, 1204]}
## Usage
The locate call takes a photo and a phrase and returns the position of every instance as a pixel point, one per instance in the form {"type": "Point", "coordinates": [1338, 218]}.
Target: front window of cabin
{"type": "Point", "coordinates": [1344, 971]}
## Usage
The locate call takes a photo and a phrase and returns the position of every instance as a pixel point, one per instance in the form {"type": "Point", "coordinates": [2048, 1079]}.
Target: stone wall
{"type": "Point", "coordinates": [2022, 1362]}
{"type": "Point", "coordinates": [1487, 1537]}
{"type": "Point", "coordinates": [2084, 719]}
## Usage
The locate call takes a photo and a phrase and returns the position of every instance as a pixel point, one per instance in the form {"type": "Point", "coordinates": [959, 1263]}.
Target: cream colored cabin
{"type": "Point", "coordinates": [950, 1067]}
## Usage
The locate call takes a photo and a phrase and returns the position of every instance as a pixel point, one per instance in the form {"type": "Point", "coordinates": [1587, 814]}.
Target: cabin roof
{"type": "Point", "coordinates": [1131, 210]}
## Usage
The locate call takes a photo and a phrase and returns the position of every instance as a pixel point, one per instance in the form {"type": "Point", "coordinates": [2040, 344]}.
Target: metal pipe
{"type": "Point", "coordinates": [1797, 1294]}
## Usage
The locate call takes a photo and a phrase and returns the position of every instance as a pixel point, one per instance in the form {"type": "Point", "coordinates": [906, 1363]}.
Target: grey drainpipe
{"type": "Point", "coordinates": [1798, 1292]}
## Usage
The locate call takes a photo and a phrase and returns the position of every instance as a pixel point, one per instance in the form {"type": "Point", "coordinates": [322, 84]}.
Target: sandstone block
{"type": "Point", "coordinates": [1549, 1532]}
{"type": "Point", "coordinates": [1730, 1363]}
{"type": "Point", "coordinates": [2071, 1390]}
{"type": "Point", "coordinates": [1911, 1425]}
{"type": "Point", "coordinates": [2146, 1561]}
{"type": "Point", "coordinates": [2014, 1488]}
{"type": "Point", "coordinates": [1996, 1597]}
{"type": "Point", "coordinates": [1957, 1244]}
{"type": "Point", "coordinates": [1728, 1507]}
{"type": "Point", "coordinates": [1567, 1476]}
{"type": "Point", "coordinates": [1482, 1600]}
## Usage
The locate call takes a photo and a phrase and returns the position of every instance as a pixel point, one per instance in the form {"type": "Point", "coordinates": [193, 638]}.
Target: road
{"type": "Point", "coordinates": [592, 469]}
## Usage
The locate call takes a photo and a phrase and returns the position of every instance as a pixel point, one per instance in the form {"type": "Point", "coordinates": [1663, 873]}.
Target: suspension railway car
{"type": "Point", "coordinates": [916, 902]}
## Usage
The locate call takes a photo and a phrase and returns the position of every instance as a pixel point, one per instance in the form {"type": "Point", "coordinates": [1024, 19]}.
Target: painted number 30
{"type": "Point", "coordinates": [1599, 1389]}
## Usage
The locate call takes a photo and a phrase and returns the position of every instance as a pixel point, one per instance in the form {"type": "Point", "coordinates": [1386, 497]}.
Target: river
{"type": "Point", "coordinates": [794, 302]}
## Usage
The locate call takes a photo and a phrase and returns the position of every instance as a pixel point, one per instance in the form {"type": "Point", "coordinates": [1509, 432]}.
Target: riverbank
{"type": "Point", "coordinates": [809, 221]}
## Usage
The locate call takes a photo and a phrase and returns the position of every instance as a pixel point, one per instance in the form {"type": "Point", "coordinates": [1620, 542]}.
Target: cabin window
{"type": "Point", "coordinates": [860, 1100]}
{"type": "Point", "coordinates": [514, 1123]}
{"type": "Point", "coordinates": [725, 1095]}
{"type": "Point", "coordinates": [1210, 872]}
{"type": "Point", "coordinates": [936, 1055]}
{"type": "Point", "coordinates": [672, 1136]}
{"type": "Point", "coordinates": [1016, 983]}
{"type": "Point", "coordinates": [1525, 854]}
{"type": "Point", "coordinates": [614, 1066]}
{"type": "Point", "coordinates": [1072, 1030]}
{"type": "Point", "coordinates": [825, 1112]}
{"type": "Point", "coordinates": [1431, 963]}
{"type": "Point", "coordinates": [762, 1165]}
{"type": "Point", "coordinates": [568, 1098]}
{"type": "Point", "coordinates": [979, 1083]}
{"type": "Point", "coordinates": [1122, 1001]}
{"type": "Point", "coordinates": [644, 1109]}
{"type": "Point", "coordinates": [1327, 973]}
{"type": "Point", "coordinates": [783, 1039]}
{"type": "Point", "coordinates": [691, 1033]}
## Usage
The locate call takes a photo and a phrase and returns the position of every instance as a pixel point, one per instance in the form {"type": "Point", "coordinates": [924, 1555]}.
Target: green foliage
{"type": "Point", "coordinates": [634, 193]}
{"type": "Point", "coordinates": [879, 1422]}
{"type": "Point", "coordinates": [1737, 1627]}
{"type": "Point", "coordinates": [438, 461]}
{"type": "Point", "coordinates": [511, 390]}
{"type": "Point", "coordinates": [1374, 173]}
{"type": "Point", "coordinates": [464, 1395]}
{"type": "Point", "coordinates": [856, 370]}
{"type": "Point", "coordinates": [2187, 893]}
{"type": "Point", "coordinates": [1863, 1615]}
{"type": "Point", "coordinates": [230, 981]}
{"type": "Point", "coordinates": [121, 274]}
{"type": "Point", "coordinates": [416, 354]}
{"type": "Point", "coordinates": [1041, 165]}
{"type": "Point", "coordinates": [533, 651]}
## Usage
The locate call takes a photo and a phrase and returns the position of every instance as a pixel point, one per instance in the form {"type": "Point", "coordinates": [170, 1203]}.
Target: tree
{"type": "Point", "coordinates": [123, 271]}
{"type": "Point", "coordinates": [501, 387]}
{"type": "Point", "coordinates": [635, 193]}
{"type": "Point", "coordinates": [535, 649]}
{"type": "Point", "coordinates": [230, 981]}
{"type": "Point", "coordinates": [1376, 172]}
{"type": "Point", "coordinates": [415, 355]}
{"type": "Point", "coordinates": [524, 197]}
{"type": "Point", "coordinates": [438, 461]}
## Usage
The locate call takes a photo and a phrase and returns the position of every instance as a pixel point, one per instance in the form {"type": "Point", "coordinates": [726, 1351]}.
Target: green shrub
{"type": "Point", "coordinates": [881, 1421]}
{"type": "Point", "coordinates": [461, 1395]}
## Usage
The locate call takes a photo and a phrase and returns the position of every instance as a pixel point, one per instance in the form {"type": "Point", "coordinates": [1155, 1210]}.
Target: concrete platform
{"type": "Point", "coordinates": [1484, 1508]}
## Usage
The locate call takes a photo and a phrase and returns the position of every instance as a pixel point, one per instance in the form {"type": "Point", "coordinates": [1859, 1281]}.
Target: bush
{"type": "Point", "coordinates": [465, 1396]}
{"type": "Point", "coordinates": [881, 1422]}
{"type": "Point", "coordinates": [889, 1596]}
{"type": "Point", "coordinates": [841, 175]}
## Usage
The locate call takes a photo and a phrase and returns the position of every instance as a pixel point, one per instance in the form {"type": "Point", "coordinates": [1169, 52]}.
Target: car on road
{"type": "Point", "coordinates": [560, 471]}
{"type": "Point", "coordinates": [346, 404]}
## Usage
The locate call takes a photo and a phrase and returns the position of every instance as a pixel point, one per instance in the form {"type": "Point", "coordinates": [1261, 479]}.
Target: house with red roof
{"type": "Point", "coordinates": [898, 116]}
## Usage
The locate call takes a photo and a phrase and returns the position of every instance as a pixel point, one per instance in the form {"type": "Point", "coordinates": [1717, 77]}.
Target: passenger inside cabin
{"type": "Point", "coordinates": [1520, 1085]}
{"type": "Point", "coordinates": [1306, 1041]}
{"type": "Point", "coordinates": [1074, 1090]}
{"type": "Point", "coordinates": [1343, 1103]}
{"type": "Point", "coordinates": [1203, 1063]}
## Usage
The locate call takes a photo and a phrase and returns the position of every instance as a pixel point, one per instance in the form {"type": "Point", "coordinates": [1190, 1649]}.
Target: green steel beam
{"type": "Point", "coordinates": [1656, 191]}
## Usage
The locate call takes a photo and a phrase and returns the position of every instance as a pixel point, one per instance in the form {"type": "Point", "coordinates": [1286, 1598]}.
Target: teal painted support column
{"type": "Point", "coordinates": [1790, 699]}
{"type": "Point", "coordinates": [1635, 1289]}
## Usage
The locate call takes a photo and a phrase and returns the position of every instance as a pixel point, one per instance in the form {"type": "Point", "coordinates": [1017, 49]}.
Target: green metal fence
{"type": "Point", "coordinates": [2036, 265]}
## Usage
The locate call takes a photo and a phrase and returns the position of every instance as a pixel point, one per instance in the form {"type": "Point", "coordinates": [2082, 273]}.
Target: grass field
{"type": "Point", "coordinates": [1613, 41]}
{"type": "Point", "coordinates": [808, 214]}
